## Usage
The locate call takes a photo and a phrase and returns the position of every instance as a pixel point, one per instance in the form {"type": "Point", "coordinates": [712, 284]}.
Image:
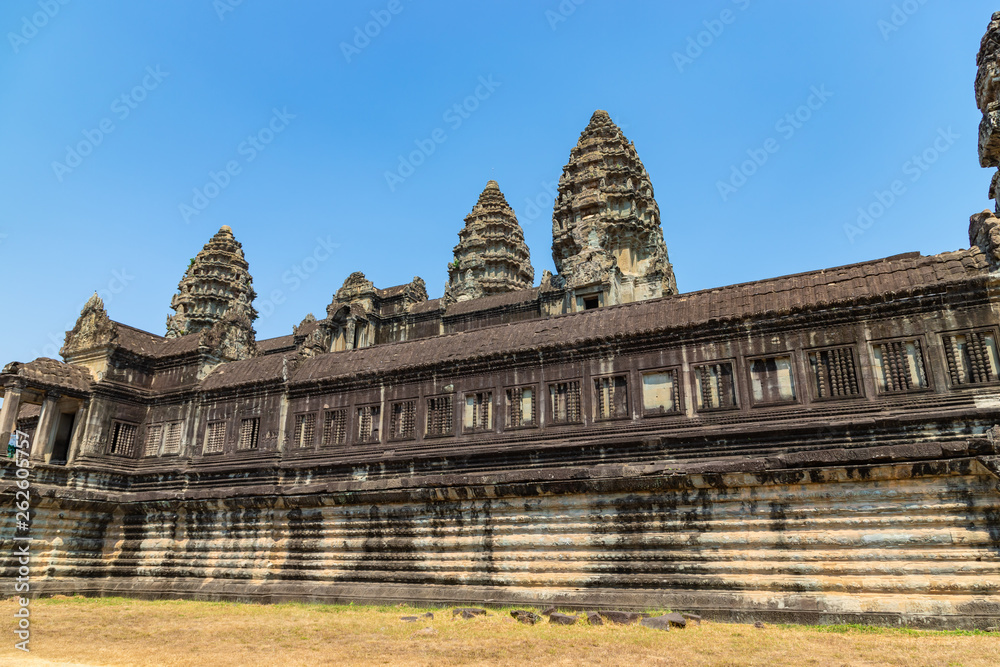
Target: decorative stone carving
{"type": "Point", "coordinates": [491, 256]}
{"type": "Point", "coordinates": [356, 288]}
{"type": "Point", "coordinates": [415, 291]}
{"type": "Point", "coordinates": [988, 100]}
{"type": "Point", "coordinates": [231, 338]}
{"type": "Point", "coordinates": [606, 224]}
{"type": "Point", "coordinates": [984, 233]}
{"type": "Point", "coordinates": [93, 329]}
{"type": "Point", "coordinates": [217, 280]}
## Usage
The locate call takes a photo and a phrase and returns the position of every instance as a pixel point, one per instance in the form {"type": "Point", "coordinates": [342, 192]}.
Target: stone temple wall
{"type": "Point", "coordinates": [899, 534]}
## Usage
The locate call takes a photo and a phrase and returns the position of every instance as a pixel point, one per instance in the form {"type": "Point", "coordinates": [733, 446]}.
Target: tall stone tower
{"type": "Point", "coordinates": [491, 256]}
{"type": "Point", "coordinates": [988, 101]}
{"type": "Point", "coordinates": [606, 235]}
{"type": "Point", "coordinates": [217, 286]}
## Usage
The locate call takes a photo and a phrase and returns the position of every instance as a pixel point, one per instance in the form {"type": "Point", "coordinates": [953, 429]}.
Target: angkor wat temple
{"type": "Point", "coordinates": [818, 447]}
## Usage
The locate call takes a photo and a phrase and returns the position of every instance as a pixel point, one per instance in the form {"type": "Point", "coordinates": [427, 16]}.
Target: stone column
{"type": "Point", "coordinates": [41, 448]}
{"type": "Point", "coordinates": [8, 415]}
{"type": "Point", "coordinates": [76, 439]}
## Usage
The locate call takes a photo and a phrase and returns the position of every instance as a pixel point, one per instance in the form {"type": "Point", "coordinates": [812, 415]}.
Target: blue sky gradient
{"type": "Point", "coordinates": [301, 119]}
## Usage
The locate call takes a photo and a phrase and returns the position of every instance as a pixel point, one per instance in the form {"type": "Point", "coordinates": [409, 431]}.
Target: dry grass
{"type": "Point", "coordinates": [114, 631]}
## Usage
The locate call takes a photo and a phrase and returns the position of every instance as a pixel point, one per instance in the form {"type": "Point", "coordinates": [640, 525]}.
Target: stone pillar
{"type": "Point", "coordinates": [76, 440]}
{"type": "Point", "coordinates": [8, 415]}
{"type": "Point", "coordinates": [41, 448]}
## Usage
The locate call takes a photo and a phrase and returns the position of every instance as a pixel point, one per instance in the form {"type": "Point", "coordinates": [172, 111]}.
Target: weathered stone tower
{"type": "Point", "coordinates": [988, 101]}
{"type": "Point", "coordinates": [606, 235]}
{"type": "Point", "coordinates": [217, 281]}
{"type": "Point", "coordinates": [491, 256]}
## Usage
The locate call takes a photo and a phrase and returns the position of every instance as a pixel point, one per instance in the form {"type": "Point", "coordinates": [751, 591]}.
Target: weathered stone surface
{"type": "Point", "coordinates": [620, 617]}
{"type": "Point", "coordinates": [409, 619]}
{"type": "Point", "coordinates": [93, 330]}
{"type": "Point", "coordinates": [524, 616]}
{"type": "Point", "coordinates": [217, 282]}
{"type": "Point", "coordinates": [986, 85]}
{"type": "Point", "coordinates": [657, 622]}
{"type": "Point", "coordinates": [562, 619]}
{"type": "Point", "coordinates": [593, 618]}
{"type": "Point", "coordinates": [693, 617]}
{"type": "Point", "coordinates": [468, 612]}
{"type": "Point", "coordinates": [675, 619]}
{"type": "Point", "coordinates": [606, 224]}
{"type": "Point", "coordinates": [491, 256]}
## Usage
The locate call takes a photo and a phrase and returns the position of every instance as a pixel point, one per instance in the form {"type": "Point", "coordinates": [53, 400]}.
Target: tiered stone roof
{"type": "Point", "coordinates": [491, 256]}
{"type": "Point", "coordinates": [217, 281]}
{"type": "Point", "coordinates": [606, 224]}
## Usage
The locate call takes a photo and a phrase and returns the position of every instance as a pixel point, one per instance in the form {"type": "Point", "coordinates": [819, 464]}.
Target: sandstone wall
{"type": "Point", "coordinates": [904, 534]}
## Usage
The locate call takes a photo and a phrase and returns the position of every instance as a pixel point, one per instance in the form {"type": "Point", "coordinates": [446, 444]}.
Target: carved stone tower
{"type": "Point", "coordinates": [606, 235]}
{"type": "Point", "coordinates": [988, 101]}
{"type": "Point", "coordinates": [491, 256]}
{"type": "Point", "coordinates": [216, 283]}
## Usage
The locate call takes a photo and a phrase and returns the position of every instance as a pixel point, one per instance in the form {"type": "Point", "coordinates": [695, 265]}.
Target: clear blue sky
{"type": "Point", "coordinates": [113, 222]}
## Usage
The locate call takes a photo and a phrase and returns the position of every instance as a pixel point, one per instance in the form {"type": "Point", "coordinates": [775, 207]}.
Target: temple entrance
{"type": "Point", "coordinates": [60, 448]}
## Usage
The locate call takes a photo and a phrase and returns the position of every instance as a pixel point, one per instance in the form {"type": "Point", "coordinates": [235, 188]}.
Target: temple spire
{"type": "Point", "coordinates": [606, 224]}
{"type": "Point", "coordinates": [988, 101]}
{"type": "Point", "coordinates": [216, 282]}
{"type": "Point", "coordinates": [491, 256]}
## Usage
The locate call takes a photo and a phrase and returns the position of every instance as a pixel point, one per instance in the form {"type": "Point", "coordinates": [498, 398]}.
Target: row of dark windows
{"type": "Point", "coordinates": [899, 366]}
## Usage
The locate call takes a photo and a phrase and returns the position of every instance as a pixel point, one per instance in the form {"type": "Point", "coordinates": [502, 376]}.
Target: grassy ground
{"type": "Point", "coordinates": [114, 631]}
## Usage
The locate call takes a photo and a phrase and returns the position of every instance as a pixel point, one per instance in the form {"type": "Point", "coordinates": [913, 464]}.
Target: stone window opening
{"type": "Point", "coordinates": [305, 429]}
{"type": "Point", "coordinates": [899, 366]}
{"type": "Point", "coordinates": [369, 420]}
{"type": "Point", "coordinates": [564, 402]}
{"type": "Point", "coordinates": [154, 436]}
{"type": "Point", "coordinates": [660, 393]}
{"type": "Point", "coordinates": [479, 411]}
{"type": "Point", "coordinates": [833, 373]}
{"type": "Point", "coordinates": [715, 387]}
{"type": "Point", "coordinates": [172, 438]}
{"type": "Point", "coordinates": [335, 427]}
{"type": "Point", "coordinates": [772, 380]}
{"type": "Point", "coordinates": [521, 407]}
{"type": "Point", "coordinates": [440, 419]}
{"type": "Point", "coordinates": [249, 432]}
{"type": "Point", "coordinates": [215, 437]}
{"type": "Point", "coordinates": [611, 397]}
{"type": "Point", "coordinates": [402, 420]}
{"type": "Point", "coordinates": [591, 302]}
{"type": "Point", "coordinates": [122, 438]}
{"type": "Point", "coordinates": [971, 357]}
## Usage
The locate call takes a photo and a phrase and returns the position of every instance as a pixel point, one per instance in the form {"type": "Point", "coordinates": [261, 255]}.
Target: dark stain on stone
{"type": "Point", "coordinates": [778, 516]}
